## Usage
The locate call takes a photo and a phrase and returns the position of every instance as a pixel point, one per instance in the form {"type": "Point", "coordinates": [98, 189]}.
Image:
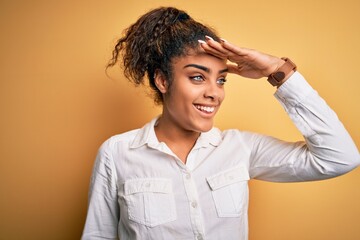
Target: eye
{"type": "Point", "coordinates": [221, 81]}
{"type": "Point", "coordinates": [197, 78]}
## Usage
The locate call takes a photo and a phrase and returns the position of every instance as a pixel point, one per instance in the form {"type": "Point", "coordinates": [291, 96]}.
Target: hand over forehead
{"type": "Point", "coordinates": [248, 62]}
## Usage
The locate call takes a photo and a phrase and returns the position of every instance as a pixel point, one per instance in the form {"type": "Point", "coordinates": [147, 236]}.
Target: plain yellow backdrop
{"type": "Point", "coordinates": [57, 106]}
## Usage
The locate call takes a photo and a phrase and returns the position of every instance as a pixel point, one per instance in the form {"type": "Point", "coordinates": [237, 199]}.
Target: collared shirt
{"type": "Point", "coordinates": [141, 190]}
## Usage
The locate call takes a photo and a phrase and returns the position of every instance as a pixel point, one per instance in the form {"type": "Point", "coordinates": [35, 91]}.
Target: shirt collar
{"type": "Point", "coordinates": [212, 137]}
{"type": "Point", "coordinates": [146, 135]}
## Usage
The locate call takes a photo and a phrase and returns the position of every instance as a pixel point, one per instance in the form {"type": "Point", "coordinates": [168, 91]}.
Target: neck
{"type": "Point", "coordinates": [167, 132]}
{"type": "Point", "coordinates": [180, 141]}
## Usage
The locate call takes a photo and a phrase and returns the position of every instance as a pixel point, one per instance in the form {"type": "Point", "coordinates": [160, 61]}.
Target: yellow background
{"type": "Point", "coordinates": [57, 106]}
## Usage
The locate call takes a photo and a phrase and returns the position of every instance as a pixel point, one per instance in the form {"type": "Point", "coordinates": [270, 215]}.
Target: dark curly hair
{"type": "Point", "coordinates": [153, 41]}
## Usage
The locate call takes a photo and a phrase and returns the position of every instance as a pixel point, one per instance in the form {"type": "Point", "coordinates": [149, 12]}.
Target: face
{"type": "Point", "coordinates": [196, 92]}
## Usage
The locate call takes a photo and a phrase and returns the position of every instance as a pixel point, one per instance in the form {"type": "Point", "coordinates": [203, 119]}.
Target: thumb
{"type": "Point", "coordinates": [247, 73]}
{"type": "Point", "coordinates": [233, 68]}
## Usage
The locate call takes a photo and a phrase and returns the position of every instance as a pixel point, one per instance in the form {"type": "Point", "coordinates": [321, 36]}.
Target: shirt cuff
{"type": "Point", "coordinates": [294, 90]}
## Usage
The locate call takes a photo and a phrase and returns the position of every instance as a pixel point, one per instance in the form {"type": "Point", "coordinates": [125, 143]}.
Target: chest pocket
{"type": "Point", "coordinates": [150, 201]}
{"type": "Point", "coordinates": [230, 191]}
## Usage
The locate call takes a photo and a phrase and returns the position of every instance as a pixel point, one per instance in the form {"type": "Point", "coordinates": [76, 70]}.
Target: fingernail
{"type": "Point", "coordinates": [223, 40]}
{"type": "Point", "coordinates": [209, 38]}
{"type": "Point", "coordinates": [201, 41]}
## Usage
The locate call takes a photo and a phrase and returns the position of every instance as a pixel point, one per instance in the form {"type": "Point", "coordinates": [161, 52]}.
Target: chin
{"type": "Point", "coordinates": [206, 128]}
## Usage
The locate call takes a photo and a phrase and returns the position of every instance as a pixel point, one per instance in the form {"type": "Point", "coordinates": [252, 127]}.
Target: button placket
{"type": "Point", "coordinates": [195, 210]}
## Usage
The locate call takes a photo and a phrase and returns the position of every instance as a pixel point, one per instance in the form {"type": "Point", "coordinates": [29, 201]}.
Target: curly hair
{"type": "Point", "coordinates": [153, 41]}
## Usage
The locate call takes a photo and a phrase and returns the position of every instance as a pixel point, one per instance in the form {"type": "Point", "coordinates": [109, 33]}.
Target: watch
{"type": "Point", "coordinates": [277, 78]}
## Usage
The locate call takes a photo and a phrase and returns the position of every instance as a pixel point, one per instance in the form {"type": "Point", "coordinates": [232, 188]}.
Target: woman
{"type": "Point", "coordinates": [178, 177]}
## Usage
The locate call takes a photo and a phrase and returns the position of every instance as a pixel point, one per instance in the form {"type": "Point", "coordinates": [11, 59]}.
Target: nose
{"type": "Point", "coordinates": [213, 91]}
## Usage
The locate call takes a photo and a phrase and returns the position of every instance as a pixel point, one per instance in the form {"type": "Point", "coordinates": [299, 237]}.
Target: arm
{"type": "Point", "coordinates": [328, 149]}
{"type": "Point", "coordinates": [103, 211]}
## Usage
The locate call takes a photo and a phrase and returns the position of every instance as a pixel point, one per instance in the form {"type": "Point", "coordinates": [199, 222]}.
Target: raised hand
{"type": "Point", "coordinates": [246, 62]}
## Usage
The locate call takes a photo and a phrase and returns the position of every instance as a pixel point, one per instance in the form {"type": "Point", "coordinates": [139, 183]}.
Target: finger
{"type": "Point", "coordinates": [230, 51]}
{"type": "Point", "coordinates": [235, 49]}
{"type": "Point", "coordinates": [216, 45]}
{"type": "Point", "coordinates": [213, 51]}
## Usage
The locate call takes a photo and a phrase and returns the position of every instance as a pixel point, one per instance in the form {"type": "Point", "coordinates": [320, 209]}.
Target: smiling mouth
{"type": "Point", "coordinates": [205, 109]}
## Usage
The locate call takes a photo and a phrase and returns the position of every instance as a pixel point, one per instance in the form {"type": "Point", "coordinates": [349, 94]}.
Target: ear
{"type": "Point", "coordinates": [160, 81]}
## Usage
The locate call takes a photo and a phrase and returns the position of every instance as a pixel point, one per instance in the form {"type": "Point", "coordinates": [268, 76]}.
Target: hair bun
{"type": "Point", "coordinates": [183, 16]}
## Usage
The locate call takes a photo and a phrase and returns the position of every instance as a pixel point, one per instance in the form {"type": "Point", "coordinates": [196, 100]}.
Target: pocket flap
{"type": "Point", "coordinates": [159, 185]}
{"type": "Point", "coordinates": [228, 177]}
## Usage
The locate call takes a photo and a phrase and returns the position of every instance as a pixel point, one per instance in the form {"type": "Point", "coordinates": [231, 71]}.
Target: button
{"type": "Point", "coordinates": [147, 184]}
{"type": "Point", "coordinates": [199, 237]}
{"type": "Point", "coordinates": [231, 177]}
{"type": "Point", "coordinates": [194, 204]}
{"type": "Point", "coordinates": [188, 176]}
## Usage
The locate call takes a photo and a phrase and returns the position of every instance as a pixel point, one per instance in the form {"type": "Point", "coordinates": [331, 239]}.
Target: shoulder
{"type": "Point", "coordinates": [131, 139]}
{"type": "Point", "coordinates": [243, 136]}
{"type": "Point", "coordinates": [230, 133]}
{"type": "Point", "coordinates": [117, 140]}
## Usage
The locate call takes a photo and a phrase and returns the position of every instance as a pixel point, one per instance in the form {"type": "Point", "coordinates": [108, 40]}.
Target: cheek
{"type": "Point", "coordinates": [186, 92]}
{"type": "Point", "coordinates": [222, 95]}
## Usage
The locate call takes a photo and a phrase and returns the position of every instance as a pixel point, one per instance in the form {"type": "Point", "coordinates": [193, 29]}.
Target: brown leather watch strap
{"type": "Point", "coordinates": [277, 78]}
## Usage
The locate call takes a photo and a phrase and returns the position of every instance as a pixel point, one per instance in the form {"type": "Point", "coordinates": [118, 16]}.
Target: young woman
{"type": "Point", "coordinates": [178, 177]}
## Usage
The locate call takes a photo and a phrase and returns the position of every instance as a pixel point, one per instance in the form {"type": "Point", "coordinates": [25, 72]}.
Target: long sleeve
{"type": "Point", "coordinates": [103, 210]}
{"type": "Point", "coordinates": [327, 151]}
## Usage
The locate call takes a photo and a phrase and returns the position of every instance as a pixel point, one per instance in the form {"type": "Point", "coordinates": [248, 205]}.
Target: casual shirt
{"type": "Point", "coordinates": [141, 190]}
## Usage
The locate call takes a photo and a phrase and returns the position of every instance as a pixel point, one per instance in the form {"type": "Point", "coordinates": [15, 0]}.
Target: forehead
{"type": "Point", "coordinates": [199, 56]}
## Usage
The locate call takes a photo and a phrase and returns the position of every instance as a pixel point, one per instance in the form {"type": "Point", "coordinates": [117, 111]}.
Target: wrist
{"type": "Point", "coordinates": [286, 78]}
{"type": "Point", "coordinates": [283, 73]}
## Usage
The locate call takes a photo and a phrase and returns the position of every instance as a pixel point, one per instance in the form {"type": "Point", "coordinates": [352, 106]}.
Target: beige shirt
{"type": "Point", "coordinates": [141, 190]}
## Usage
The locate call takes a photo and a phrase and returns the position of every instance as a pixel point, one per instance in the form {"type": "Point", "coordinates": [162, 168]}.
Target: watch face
{"type": "Point", "coordinates": [279, 76]}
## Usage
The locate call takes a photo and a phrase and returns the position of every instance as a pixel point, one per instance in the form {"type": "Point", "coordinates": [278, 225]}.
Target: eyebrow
{"type": "Point", "coordinates": [205, 68]}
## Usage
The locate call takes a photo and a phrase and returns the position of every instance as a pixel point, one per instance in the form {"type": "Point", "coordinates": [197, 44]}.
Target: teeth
{"type": "Point", "coordinates": [205, 109]}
